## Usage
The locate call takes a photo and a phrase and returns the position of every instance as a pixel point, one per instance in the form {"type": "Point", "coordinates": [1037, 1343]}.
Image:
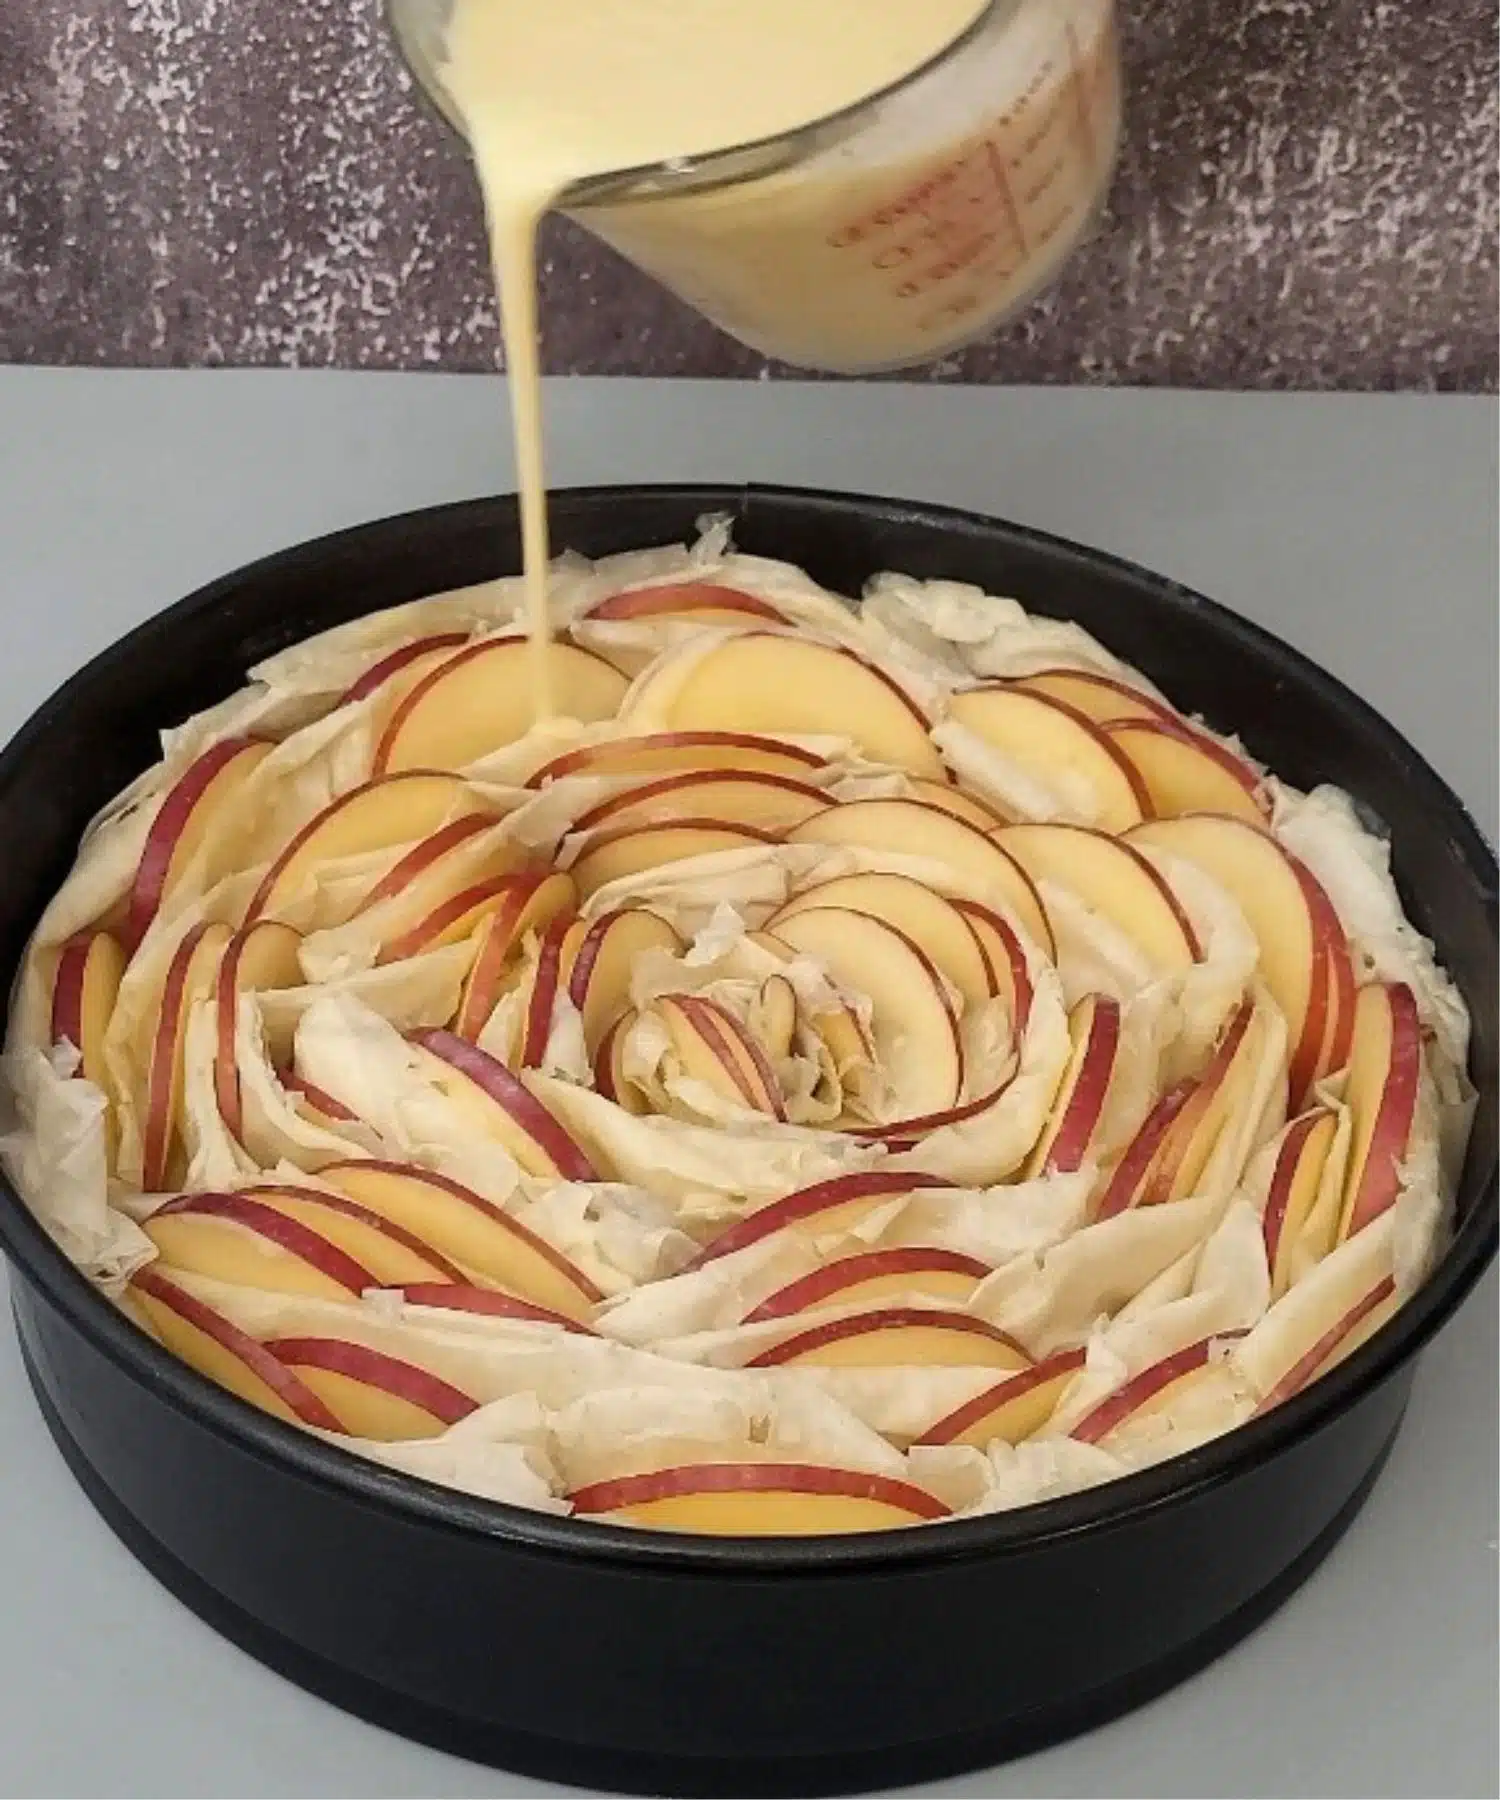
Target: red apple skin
{"type": "Point", "coordinates": [523, 1233]}
{"type": "Point", "coordinates": [828, 1282]}
{"type": "Point", "coordinates": [604, 1079]}
{"type": "Point", "coordinates": [351, 1209]}
{"type": "Point", "coordinates": [69, 988]}
{"type": "Point", "coordinates": [1234, 766]}
{"type": "Point", "coordinates": [287, 1234]}
{"type": "Point", "coordinates": [1307, 1366]}
{"type": "Point", "coordinates": [493, 1303]}
{"type": "Point", "coordinates": [284, 1382]}
{"type": "Point", "coordinates": [67, 991]}
{"type": "Point", "coordinates": [495, 952]}
{"type": "Point", "coordinates": [1065, 1362]}
{"type": "Point", "coordinates": [544, 988]}
{"type": "Point", "coordinates": [1100, 736]}
{"type": "Point", "coordinates": [1019, 973]}
{"type": "Point", "coordinates": [688, 780]}
{"type": "Point", "coordinates": [156, 1149]}
{"type": "Point", "coordinates": [885, 1318]}
{"type": "Point", "coordinates": [415, 941]}
{"type": "Point", "coordinates": [1323, 1043]}
{"type": "Point", "coordinates": [1115, 1408]}
{"type": "Point", "coordinates": [904, 1134]}
{"type": "Point", "coordinates": [1379, 1179]}
{"type": "Point", "coordinates": [1086, 1101]}
{"type": "Point", "coordinates": [161, 839]}
{"type": "Point", "coordinates": [574, 760]}
{"type": "Point", "coordinates": [1284, 1177]}
{"type": "Point", "coordinates": [717, 1029]}
{"type": "Point", "coordinates": [1130, 1172]}
{"type": "Point", "coordinates": [807, 1202]}
{"type": "Point", "coordinates": [1198, 1102]}
{"type": "Point", "coordinates": [373, 1367]}
{"type": "Point", "coordinates": [513, 1096]}
{"type": "Point", "coordinates": [316, 1097]}
{"type": "Point", "coordinates": [719, 1478]}
{"type": "Point", "coordinates": [379, 673]}
{"type": "Point", "coordinates": [1094, 679]}
{"type": "Point", "coordinates": [423, 855]}
{"type": "Point", "coordinates": [680, 597]}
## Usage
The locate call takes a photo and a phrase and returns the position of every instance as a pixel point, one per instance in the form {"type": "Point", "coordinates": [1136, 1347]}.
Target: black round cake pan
{"type": "Point", "coordinates": [626, 1659]}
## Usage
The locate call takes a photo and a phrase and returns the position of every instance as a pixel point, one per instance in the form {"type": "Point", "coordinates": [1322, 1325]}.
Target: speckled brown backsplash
{"type": "Point", "coordinates": [1308, 199]}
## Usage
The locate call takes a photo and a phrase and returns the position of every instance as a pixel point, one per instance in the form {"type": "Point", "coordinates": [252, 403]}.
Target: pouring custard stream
{"type": "Point", "coordinates": [563, 92]}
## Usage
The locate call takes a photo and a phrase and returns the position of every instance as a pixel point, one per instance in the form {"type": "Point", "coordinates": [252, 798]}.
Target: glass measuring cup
{"type": "Point", "coordinates": [891, 233]}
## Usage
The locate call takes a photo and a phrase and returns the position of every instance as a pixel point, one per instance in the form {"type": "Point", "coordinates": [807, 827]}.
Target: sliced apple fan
{"type": "Point", "coordinates": [829, 1083]}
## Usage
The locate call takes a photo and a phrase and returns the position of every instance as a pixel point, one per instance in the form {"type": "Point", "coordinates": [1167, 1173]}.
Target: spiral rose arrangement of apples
{"type": "Point", "coordinates": [848, 1069]}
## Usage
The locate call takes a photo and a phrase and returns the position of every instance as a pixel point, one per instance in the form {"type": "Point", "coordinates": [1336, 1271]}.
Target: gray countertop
{"type": "Point", "coordinates": [1362, 529]}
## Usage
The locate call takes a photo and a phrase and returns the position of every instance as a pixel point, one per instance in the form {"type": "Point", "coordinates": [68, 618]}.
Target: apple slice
{"type": "Point", "coordinates": [209, 1343]}
{"type": "Point", "coordinates": [758, 1500]}
{"type": "Point", "coordinates": [190, 977]}
{"type": "Point", "coordinates": [555, 951]}
{"type": "Point", "coordinates": [917, 1039]}
{"type": "Point", "coordinates": [963, 805]}
{"type": "Point", "coordinates": [668, 752]}
{"type": "Point", "coordinates": [411, 662]}
{"type": "Point", "coordinates": [1078, 1108]}
{"type": "Point", "coordinates": [1353, 1328]}
{"type": "Point", "coordinates": [1186, 771]}
{"type": "Point", "coordinates": [248, 1243]}
{"type": "Point", "coordinates": [202, 797]}
{"type": "Point", "coordinates": [1099, 697]}
{"type": "Point", "coordinates": [1130, 1179]}
{"type": "Point", "coordinates": [898, 1337]}
{"type": "Point", "coordinates": [457, 918]}
{"type": "Point", "coordinates": [480, 699]}
{"type": "Point", "coordinates": [391, 810]}
{"type": "Point", "coordinates": [379, 1397]}
{"type": "Point", "coordinates": [929, 921]}
{"type": "Point", "coordinates": [1010, 975]}
{"type": "Point", "coordinates": [768, 802]}
{"type": "Point", "coordinates": [599, 978]}
{"type": "Point", "coordinates": [472, 1230]}
{"type": "Point", "coordinates": [908, 828]}
{"type": "Point", "coordinates": [435, 869]}
{"type": "Point", "coordinates": [262, 956]}
{"type": "Point", "coordinates": [1219, 1098]}
{"type": "Point", "coordinates": [934, 1273]}
{"type": "Point", "coordinates": [609, 1070]}
{"type": "Point", "coordinates": [632, 851]}
{"type": "Point", "coordinates": [1113, 880]}
{"type": "Point", "coordinates": [1149, 1391]}
{"type": "Point", "coordinates": [392, 1254]}
{"type": "Point", "coordinates": [500, 1106]}
{"type": "Point", "coordinates": [324, 1108]}
{"type": "Point", "coordinates": [525, 904]}
{"type": "Point", "coordinates": [1047, 737]}
{"type": "Point", "coordinates": [1296, 1178]}
{"type": "Point", "coordinates": [715, 1049]}
{"type": "Point", "coordinates": [1385, 1072]}
{"type": "Point", "coordinates": [702, 602]}
{"type": "Point", "coordinates": [775, 1015]}
{"type": "Point", "coordinates": [490, 1303]}
{"type": "Point", "coordinates": [1302, 944]}
{"type": "Point", "coordinates": [1013, 1408]}
{"type": "Point", "coordinates": [827, 1207]}
{"type": "Point", "coordinates": [762, 682]}
{"type": "Point", "coordinates": [84, 991]}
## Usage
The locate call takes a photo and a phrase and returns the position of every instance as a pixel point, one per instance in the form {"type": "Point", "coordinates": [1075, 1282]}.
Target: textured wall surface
{"type": "Point", "coordinates": [1308, 200]}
